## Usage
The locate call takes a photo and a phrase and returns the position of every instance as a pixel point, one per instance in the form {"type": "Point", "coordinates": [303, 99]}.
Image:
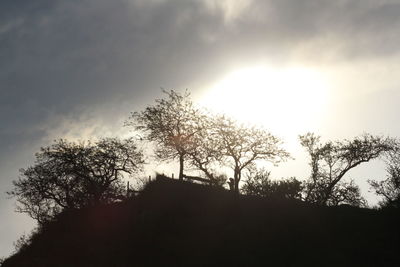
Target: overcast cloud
{"type": "Point", "coordinates": [77, 68]}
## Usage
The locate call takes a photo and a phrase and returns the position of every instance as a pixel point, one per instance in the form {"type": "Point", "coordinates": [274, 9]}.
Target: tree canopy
{"type": "Point", "coordinates": [243, 146]}
{"type": "Point", "coordinates": [171, 125]}
{"type": "Point", "coordinates": [330, 162]}
{"type": "Point", "coordinates": [69, 175]}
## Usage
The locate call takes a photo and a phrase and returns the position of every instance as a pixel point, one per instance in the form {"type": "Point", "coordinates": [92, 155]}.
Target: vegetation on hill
{"type": "Point", "coordinates": [173, 223]}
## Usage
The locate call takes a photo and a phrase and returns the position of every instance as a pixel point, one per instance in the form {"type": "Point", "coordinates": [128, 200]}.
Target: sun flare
{"type": "Point", "coordinates": [286, 101]}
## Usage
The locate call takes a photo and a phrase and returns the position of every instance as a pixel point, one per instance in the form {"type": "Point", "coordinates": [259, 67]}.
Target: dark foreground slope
{"type": "Point", "coordinates": [181, 224]}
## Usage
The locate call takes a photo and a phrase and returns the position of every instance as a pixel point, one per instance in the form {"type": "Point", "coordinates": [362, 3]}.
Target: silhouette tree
{"type": "Point", "coordinates": [203, 152]}
{"type": "Point", "coordinates": [68, 175]}
{"type": "Point", "coordinates": [389, 188]}
{"type": "Point", "coordinates": [331, 161]}
{"type": "Point", "coordinates": [171, 124]}
{"type": "Point", "coordinates": [258, 183]}
{"type": "Point", "coordinates": [243, 146]}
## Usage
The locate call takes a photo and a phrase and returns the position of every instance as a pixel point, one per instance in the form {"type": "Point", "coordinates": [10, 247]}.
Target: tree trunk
{"type": "Point", "coordinates": [236, 178]}
{"type": "Point", "coordinates": [237, 186]}
{"type": "Point", "coordinates": [327, 195]}
{"type": "Point", "coordinates": [181, 162]}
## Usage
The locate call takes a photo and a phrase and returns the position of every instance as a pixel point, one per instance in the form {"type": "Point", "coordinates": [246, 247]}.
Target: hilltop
{"type": "Point", "coordinates": [174, 223]}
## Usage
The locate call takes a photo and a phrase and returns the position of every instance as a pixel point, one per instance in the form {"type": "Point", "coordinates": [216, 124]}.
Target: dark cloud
{"type": "Point", "coordinates": [59, 55]}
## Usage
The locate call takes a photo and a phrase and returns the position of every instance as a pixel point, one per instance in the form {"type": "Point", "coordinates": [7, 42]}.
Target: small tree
{"type": "Point", "coordinates": [68, 175]}
{"type": "Point", "coordinates": [243, 146]}
{"type": "Point", "coordinates": [389, 188]}
{"type": "Point", "coordinates": [330, 162]}
{"type": "Point", "coordinates": [171, 124]}
{"type": "Point", "coordinates": [258, 183]}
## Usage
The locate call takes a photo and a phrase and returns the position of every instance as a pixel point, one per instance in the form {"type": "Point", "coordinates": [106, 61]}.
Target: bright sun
{"type": "Point", "coordinates": [287, 101]}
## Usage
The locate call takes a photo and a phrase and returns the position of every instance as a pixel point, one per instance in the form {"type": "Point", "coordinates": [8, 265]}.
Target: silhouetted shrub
{"type": "Point", "coordinates": [259, 183]}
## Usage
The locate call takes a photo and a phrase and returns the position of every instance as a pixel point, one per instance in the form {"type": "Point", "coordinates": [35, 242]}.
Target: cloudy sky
{"type": "Point", "coordinates": [75, 69]}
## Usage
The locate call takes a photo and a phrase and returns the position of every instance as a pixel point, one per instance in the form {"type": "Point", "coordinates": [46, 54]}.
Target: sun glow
{"type": "Point", "coordinates": [287, 101]}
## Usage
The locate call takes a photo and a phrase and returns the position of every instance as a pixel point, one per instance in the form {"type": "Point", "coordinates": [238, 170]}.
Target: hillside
{"type": "Point", "coordinates": [183, 224]}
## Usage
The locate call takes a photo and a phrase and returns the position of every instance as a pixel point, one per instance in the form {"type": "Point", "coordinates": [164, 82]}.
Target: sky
{"type": "Point", "coordinates": [76, 69]}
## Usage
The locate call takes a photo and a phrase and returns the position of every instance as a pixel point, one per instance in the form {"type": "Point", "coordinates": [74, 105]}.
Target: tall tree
{"type": "Point", "coordinates": [243, 146]}
{"type": "Point", "coordinates": [331, 161]}
{"type": "Point", "coordinates": [171, 125]}
{"type": "Point", "coordinates": [68, 175]}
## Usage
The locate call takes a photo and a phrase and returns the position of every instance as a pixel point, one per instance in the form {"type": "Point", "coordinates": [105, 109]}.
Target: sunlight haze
{"type": "Point", "coordinates": [286, 101]}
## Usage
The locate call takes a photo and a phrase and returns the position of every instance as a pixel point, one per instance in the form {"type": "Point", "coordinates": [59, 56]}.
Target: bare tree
{"type": "Point", "coordinates": [330, 162]}
{"type": "Point", "coordinates": [171, 124]}
{"type": "Point", "coordinates": [243, 146]}
{"type": "Point", "coordinates": [69, 175]}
